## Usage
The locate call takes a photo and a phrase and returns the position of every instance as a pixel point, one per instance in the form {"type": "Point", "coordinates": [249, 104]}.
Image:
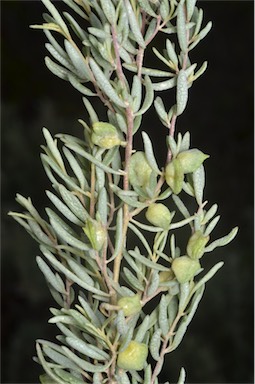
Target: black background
{"type": "Point", "coordinates": [218, 347]}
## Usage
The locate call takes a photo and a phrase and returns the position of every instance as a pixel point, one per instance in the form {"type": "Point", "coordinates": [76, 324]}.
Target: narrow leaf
{"type": "Point", "coordinates": [199, 183]}
{"type": "Point", "coordinates": [70, 275]}
{"type": "Point", "coordinates": [143, 327]}
{"type": "Point", "coordinates": [163, 320]}
{"type": "Point", "coordinates": [87, 349]}
{"type": "Point", "coordinates": [222, 241]}
{"type": "Point", "coordinates": [104, 84]}
{"type": "Point", "coordinates": [182, 377]}
{"type": "Point", "coordinates": [148, 262]}
{"type": "Point", "coordinates": [149, 153]}
{"type": "Point", "coordinates": [134, 24]}
{"type": "Point", "coordinates": [50, 276]}
{"type": "Point", "coordinates": [84, 364]}
{"type": "Point", "coordinates": [181, 27]}
{"type": "Point", "coordinates": [149, 95]}
{"type": "Point", "coordinates": [181, 92]}
{"type": "Point", "coordinates": [52, 9]}
{"type": "Point", "coordinates": [155, 344]}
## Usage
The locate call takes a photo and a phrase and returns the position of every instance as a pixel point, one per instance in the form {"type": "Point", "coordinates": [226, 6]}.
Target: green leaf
{"type": "Point", "coordinates": [55, 44]}
{"type": "Point", "coordinates": [78, 149]}
{"type": "Point", "coordinates": [129, 197]}
{"type": "Point", "coordinates": [84, 364]}
{"type": "Point", "coordinates": [149, 95]}
{"type": "Point", "coordinates": [39, 234]}
{"type": "Point", "coordinates": [145, 5]}
{"type": "Point", "coordinates": [102, 205]}
{"type": "Point", "coordinates": [172, 310]}
{"type": "Point", "coordinates": [171, 52]}
{"type": "Point", "coordinates": [97, 378]}
{"type": "Point", "coordinates": [109, 10]}
{"type": "Point", "coordinates": [148, 71]}
{"type": "Point", "coordinates": [136, 93]}
{"type": "Point", "coordinates": [201, 35]}
{"type": "Point", "coordinates": [123, 378]}
{"type": "Point", "coordinates": [55, 14]}
{"type": "Point", "coordinates": [185, 142]}
{"type": "Point", "coordinates": [199, 183]}
{"type": "Point", "coordinates": [104, 84]}
{"type": "Point", "coordinates": [91, 111]}
{"type": "Point", "coordinates": [155, 343]}
{"type": "Point", "coordinates": [154, 283]}
{"type": "Point", "coordinates": [181, 223]}
{"type": "Point", "coordinates": [70, 275]}
{"type": "Point", "coordinates": [135, 28]}
{"type": "Point", "coordinates": [222, 241]}
{"type": "Point", "coordinates": [51, 26]}
{"type": "Point", "coordinates": [135, 265]}
{"type": "Point", "coordinates": [68, 377]}
{"type": "Point", "coordinates": [181, 27]}
{"type": "Point", "coordinates": [211, 226]}
{"type": "Point", "coordinates": [151, 264]}
{"type": "Point", "coordinates": [164, 9]}
{"type": "Point", "coordinates": [164, 85]}
{"type": "Point", "coordinates": [190, 4]}
{"type": "Point", "coordinates": [90, 314]}
{"type": "Point", "coordinates": [162, 318]}
{"type": "Point", "coordinates": [49, 164]}
{"type": "Point", "coordinates": [58, 357]}
{"type": "Point", "coordinates": [50, 276]}
{"type": "Point", "coordinates": [182, 208]}
{"type": "Point", "coordinates": [181, 92]}
{"type": "Point", "coordinates": [183, 296]}
{"type": "Point", "coordinates": [121, 324]}
{"type": "Point", "coordinates": [182, 377]}
{"type": "Point", "coordinates": [73, 203]}
{"type": "Point", "coordinates": [80, 271]}
{"type": "Point", "coordinates": [118, 234]}
{"type": "Point", "coordinates": [207, 277]}
{"type": "Point", "coordinates": [60, 228]}
{"type": "Point", "coordinates": [149, 228]}
{"type": "Point", "coordinates": [77, 85]}
{"type": "Point", "coordinates": [142, 329]}
{"type": "Point", "coordinates": [160, 109]}
{"type": "Point", "coordinates": [201, 70]}
{"type": "Point", "coordinates": [87, 349]}
{"type": "Point", "coordinates": [75, 7]}
{"type": "Point", "coordinates": [209, 214]}
{"type": "Point", "coordinates": [63, 60]}
{"type": "Point", "coordinates": [45, 365]}
{"type": "Point", "coordinates": [132, 280]}
{"type": "Point", "coordinates": [63, 209]}
{"type": "Point", "coordinates": [77, 170]}
{"type": "Point", "coordinates": [187, 319]}
{"type": "Point", "coordinates": [52, 145]}
{"type": "Point", "coordinates": [78, 60]}
{"type": "Point", "coordinates": [149, 153]}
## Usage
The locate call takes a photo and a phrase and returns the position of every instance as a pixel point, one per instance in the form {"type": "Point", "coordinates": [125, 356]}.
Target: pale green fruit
{"type": "Point", "coordinates": [139, 170]}
{"type": "Point", "coordinates": [166, 276]}
{"type": "Point", "coordinates": [196, 245]}
{"type": "Point", "coordinates": [133, 357]}
{"type": "Point", "coordinates": [174, 176]}
{"type": "Point", "coordinates": [185, 268]}
{"type": "Point", "coordinates": [191, 159]}
{"type": "Point", "coordinates": [96, 234]}
{"type": "Point", "coordinates": [105, 135]}
{"type": "Point", "coordinates": [159, 215]}
{"type": "Point", "coordinates": [130, 305]}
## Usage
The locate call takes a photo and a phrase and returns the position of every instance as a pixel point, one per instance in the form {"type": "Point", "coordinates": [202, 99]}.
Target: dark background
{"type": "Point", "coordinates": [218, 347]}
